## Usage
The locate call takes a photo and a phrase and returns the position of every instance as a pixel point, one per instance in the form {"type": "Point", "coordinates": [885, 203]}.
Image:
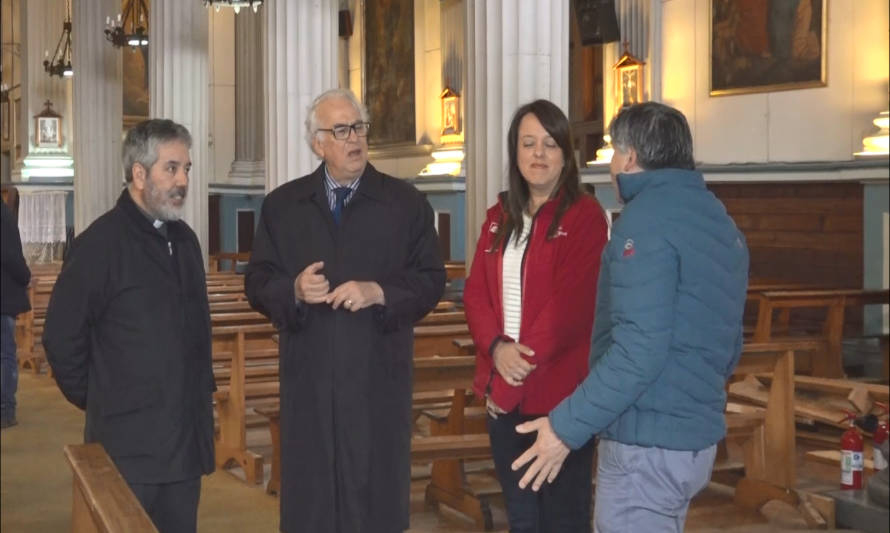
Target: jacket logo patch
{"type": "Point", "coordinates": [561, 232]}
{"type": "Point", "coordinates": [628, 248]}
{"type": "Point", "coordinates": [493, 228]}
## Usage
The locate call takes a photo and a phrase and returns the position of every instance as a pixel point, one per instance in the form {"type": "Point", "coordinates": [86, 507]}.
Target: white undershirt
{"type": "Point", "coordinates": [512, 280]}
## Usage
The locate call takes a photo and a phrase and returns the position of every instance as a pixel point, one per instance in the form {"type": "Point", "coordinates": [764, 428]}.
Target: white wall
{"type": "Point", "coordinates": [817, 124]}
{"type": "Point", "coordinates": [222, 93]}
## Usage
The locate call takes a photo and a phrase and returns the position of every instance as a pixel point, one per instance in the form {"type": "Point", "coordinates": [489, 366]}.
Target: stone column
{"type": "Point", "coordinates": [97, 113]}
{"type": "Point", "coordinates": [179, 78]}
{"type": "Point", "coordinates": [516, 52]}
{"type": "Point", "coordinates": [248, 165]}
{"type": "Point", "coordinates": [300, 63]}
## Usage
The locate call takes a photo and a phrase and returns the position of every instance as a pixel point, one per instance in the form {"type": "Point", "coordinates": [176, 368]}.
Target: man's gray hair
{"type": "Point", "coordinates": [312, 117]}
{"type": "Point", "coordinates": [659, 134]}
{"type": "Point", "coordinates": [141, 144]}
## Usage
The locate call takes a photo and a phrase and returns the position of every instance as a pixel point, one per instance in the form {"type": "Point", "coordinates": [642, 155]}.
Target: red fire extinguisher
{"type": "Point", "coordinates": [851, 456]}
{"type": "Point", "coordinates": [880, 436]}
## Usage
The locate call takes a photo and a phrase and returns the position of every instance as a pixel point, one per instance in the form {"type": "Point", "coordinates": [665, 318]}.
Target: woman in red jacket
{"type": "Point", "coordinates": [529, 301]}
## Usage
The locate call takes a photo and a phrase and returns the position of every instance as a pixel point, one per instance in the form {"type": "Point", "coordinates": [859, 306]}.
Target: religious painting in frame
{"type": "Point", "coordinates": [48, 132]}
{"type": "Point", "coordinates": [767, 45]}
{"type": "Point", "coordinates": [134, 84]}
{"type": "Point", "coordinates": [389, 71]}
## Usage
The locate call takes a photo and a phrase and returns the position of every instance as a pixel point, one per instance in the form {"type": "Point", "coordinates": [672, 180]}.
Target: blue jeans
{"type": "Point", "coordinates": [559, 507]}
{"type": "Point", "coordinates": [9, 369]}
{"type": "Point", "coordinates": [647, 489]}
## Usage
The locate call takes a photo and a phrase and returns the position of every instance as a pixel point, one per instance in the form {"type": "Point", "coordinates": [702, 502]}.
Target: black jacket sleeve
{"type": "Point", "coordinates": [13, 259]}
{"type": "Point", "coordinates": [269, 287]}
{"type": "Point", "coordinates": [413, 291]}
{"type": "Point", "coordinates": [77, 296]}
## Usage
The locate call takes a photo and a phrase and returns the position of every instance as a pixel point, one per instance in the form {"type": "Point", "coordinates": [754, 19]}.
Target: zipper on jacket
{"type": "Point", "coordinates": [170, 247]}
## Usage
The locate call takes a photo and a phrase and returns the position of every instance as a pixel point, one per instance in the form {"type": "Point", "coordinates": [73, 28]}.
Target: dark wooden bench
{"type": "Point", "coordinates": [830, 362]}
{"type": "Point", "coordinates": [102, 500]}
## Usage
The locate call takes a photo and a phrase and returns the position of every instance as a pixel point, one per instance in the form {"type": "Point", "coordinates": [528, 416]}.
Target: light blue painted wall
{"type": "Point", "coordinates": [452, 202]}
{"type": "Point", "coordinates": [229, 204]}
{"type": "Point", "coordinates": [875, 205]}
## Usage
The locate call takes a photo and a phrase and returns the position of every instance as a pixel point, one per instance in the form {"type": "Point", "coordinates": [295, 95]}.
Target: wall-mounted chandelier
{"type": "Point", "coordinates": [235, 4]}
{"type": "Point", "coordinates": [60, 63]}
{"type": "Point", "coordinates": [130, 27]}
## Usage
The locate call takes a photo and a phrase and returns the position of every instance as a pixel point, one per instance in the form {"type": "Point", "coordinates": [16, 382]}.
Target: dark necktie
{"type": "Point", "coordinates": [340, 202]}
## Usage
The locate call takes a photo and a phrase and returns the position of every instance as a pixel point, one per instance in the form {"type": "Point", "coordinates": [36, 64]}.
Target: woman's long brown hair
{"type": "Point", "coordinates": [567, 186]}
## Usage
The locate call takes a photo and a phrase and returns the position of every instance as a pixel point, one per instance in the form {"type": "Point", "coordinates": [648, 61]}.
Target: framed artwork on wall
{"type": "Point", "coordinates": [134, 85]}
{"type": "Point", "coordinates": [48, 127]}
{"type": "Point", "coordinates": [389, 71]}
{"type": "Point", "coordinates": [767, 45]}
{"type": "Point", "coordinates": [48, 132]}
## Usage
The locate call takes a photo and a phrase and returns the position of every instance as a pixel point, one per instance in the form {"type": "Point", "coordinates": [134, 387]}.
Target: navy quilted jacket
{"type": "Point", "coordinates": [668, 326]}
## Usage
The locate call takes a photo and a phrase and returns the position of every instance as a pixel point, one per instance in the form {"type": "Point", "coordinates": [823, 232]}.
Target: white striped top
{"type": "Point", "coordinates": [512, 280]}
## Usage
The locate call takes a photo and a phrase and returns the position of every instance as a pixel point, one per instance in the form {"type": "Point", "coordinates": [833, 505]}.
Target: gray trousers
{"type": "Point", "coordinates": [647, 489]}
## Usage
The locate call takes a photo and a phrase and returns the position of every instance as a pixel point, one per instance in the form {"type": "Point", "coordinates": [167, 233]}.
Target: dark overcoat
{"type": "Point", "coordinates": [128, 338]}
{"type": "Point", "coordinates": [14, 272]}
{"type": "Point", "coordinates": [346, 376]}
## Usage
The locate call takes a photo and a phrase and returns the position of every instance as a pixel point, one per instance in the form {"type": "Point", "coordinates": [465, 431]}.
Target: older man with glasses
{"type": "Point", "coordinates": [345, 260]}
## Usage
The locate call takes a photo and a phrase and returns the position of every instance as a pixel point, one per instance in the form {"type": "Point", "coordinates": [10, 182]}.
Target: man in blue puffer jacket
{"type": "Point", "coordinates": [667, 335]}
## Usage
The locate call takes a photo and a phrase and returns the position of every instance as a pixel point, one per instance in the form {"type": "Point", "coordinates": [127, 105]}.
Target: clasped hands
{"type": "Point", "coordinates": [548, 451]}
{"type": "Point", "coordinates": [311, 286]}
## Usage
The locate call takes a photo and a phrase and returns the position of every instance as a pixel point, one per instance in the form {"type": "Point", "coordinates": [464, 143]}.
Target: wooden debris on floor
{"type": "Point", "coordinates": [820, 405]}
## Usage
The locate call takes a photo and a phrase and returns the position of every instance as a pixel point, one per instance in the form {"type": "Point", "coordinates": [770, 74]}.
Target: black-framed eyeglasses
{"type": "Point", "coordinates": [341, 131]}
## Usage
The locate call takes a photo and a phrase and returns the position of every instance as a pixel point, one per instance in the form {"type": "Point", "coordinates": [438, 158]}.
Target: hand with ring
{"type": "Point", "coordinates": [356, 295]}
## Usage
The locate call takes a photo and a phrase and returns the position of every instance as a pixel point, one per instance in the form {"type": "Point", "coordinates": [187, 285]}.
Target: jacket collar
{"type": "Point", "coordinates": [630, 185]}
{"type": "Point", "coordinates": [371, 184]}
{"type": "Point", "coordinates": [137, 217]}
{"type": "Point", "coordinates": [546, 210]}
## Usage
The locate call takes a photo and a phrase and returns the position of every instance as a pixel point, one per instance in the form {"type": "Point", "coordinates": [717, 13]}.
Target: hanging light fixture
{"type": "Point", "coordinates": [234, 4]}
{"type": "Point", "coordinates": [60, 64]}
{"type": "Point", "coordinates": [129, 28]}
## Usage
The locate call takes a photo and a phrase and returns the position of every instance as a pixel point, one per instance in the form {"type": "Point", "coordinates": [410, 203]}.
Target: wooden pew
{"type": "Point", "coordinates": [32, 322]}
{"type": "Point", "coordinates": [443, 318]}
{"type": "Point", "coordinates": [768, 435]}
{"type": "Point", "coordinates": [438, 339]}
{"type": "Point", "coordinates": [430, 374]}
{"type": "Point", "coordinates": [234, 344]}
{"type": "Point", "coordinates": [455, 270]}
{"type": "Point", "coordinates": [216, 260]}
{"type": "Point", "coordinates": [830, 362]}
{"type": "Point", "coordinates": [102, 502]}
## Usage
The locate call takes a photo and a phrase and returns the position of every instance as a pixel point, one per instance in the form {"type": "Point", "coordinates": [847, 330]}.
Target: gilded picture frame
{"type": "Point", "coordinates": [767, 45]}
{"type": "Point", "coordinates": [388, 87]}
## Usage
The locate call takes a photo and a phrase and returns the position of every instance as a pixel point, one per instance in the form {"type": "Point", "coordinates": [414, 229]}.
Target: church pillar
{"type": "Point", "coordinates": [516, 52]}
{"type": "Point", "coordinates": [97, 113]}
{"type": "Point", "coordinates": [179, 90]}
{"type": "Point", "coordinates": [249, 100]}
{"type": "Point", "coordinates": [300, 63]}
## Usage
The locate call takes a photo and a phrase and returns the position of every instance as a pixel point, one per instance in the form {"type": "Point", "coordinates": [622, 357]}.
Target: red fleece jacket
{"type": "Point", "coordinates": [559, 280]}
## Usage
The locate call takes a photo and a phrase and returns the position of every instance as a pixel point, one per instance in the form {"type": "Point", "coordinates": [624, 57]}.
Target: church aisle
{"type": "Point", "coordinates": [35, 480]}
